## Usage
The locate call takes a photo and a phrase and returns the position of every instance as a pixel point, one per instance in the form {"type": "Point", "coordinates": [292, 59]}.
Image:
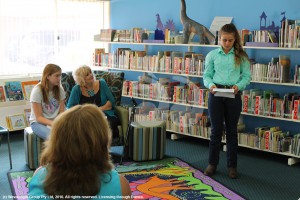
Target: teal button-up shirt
{"type": "Point", "coordinates": [220, 69]}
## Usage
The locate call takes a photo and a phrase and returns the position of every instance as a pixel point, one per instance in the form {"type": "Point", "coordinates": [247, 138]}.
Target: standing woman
{"type": "Point", "coordinates": [47, 100]}
{"type": "Point", "coordinates": [88, 90]}
{"type": "Point", "coordinates": [225, 67]}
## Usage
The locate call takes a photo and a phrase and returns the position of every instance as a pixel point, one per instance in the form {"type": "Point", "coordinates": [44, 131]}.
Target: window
{"type": "Point", "coordinates": [36, 32]}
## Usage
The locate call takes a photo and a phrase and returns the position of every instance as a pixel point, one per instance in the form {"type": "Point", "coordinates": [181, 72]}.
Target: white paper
{"type": "Point", "coordinates": [222, 92]}
{"type": "Point", "coordinates": [218, 22]}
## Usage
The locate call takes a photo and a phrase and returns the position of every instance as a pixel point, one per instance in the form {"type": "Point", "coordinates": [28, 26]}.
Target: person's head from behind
{"type": "Point", "coordinates": [51, 81]}
{"type": "Point", "coordinates": [77, 151]}
{"type": "Point", "coordinates": [83, 75]}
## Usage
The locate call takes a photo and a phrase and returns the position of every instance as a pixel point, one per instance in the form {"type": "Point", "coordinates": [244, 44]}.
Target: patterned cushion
{"type": "Point", "coordinates": [67, 82]}
{"type": "Point", "coordinates": [113, 79]}
{"type": "Point", "coordinates": [115, 82]}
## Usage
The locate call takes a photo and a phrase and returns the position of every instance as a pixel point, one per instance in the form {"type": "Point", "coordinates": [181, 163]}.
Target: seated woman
{"type": "Point", "coordinates": [87, 90]}
{"type": "Point", "coordinates": [76, 159]}
{"type": "Point", "coordinates": [47, 100]}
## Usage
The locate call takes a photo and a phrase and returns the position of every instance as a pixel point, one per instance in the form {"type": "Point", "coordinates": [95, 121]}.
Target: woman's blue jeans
{"type": "Point", "coordinates": [228, 110]}
{"type": "Point", "coordinates": [40, 130]}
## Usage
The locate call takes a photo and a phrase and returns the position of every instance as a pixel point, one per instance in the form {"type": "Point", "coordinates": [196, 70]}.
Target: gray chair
{"type": "Point", "coordinates": [2, 132]}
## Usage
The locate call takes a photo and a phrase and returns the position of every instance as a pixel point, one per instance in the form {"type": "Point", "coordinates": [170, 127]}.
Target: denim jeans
{"type": "Point", "coordinates": [40, 130]}
{"type": "Point", "coordinates": [222, 110]}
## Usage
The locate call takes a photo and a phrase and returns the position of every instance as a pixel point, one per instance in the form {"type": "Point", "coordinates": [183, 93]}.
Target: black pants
{"type": "Point", "coordinates": [222, 109]}
{"type": "Point", "coordinates": [114, 122]}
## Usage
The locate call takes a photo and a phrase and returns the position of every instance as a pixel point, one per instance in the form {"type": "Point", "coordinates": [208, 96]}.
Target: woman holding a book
{"type": "Point", "coordinates": [47, 100]}
{"type": "Point", "coordinates": [226, 67]}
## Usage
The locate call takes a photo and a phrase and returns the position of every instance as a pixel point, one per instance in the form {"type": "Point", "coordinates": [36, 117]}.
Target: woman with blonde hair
{"type": "Point", "coordinates": [47, 100]}
{"type": "Point", "coordinates": [76, 159]}
{"type": "Point", "coordinates": [89, 90]}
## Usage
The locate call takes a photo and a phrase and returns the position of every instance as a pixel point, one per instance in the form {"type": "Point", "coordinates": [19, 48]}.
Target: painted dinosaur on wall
{"type": "Point", "coordinates": [191, 27]}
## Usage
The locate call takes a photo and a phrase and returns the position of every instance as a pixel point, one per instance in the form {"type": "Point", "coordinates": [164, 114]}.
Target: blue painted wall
{"type": "Point", "coordinates": [126, 14]}
{"type": "Point", "coordinates": [141, 13]}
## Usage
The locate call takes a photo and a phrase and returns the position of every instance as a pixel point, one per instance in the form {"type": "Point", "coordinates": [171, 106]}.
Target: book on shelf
{"type": "Point", "coordinates": [16, 122]}
{"type": "Point", "coordinates": [244, 36]}
{"type": "Point", "coordinates": [288, 105]}
{"type": "Point", "coordinates": [267, 139]}
{"type": "Point", "coordinates": [2, 94]}
{"type": "Point", "coordinates": [27, 112]}
{"type": "Point", "coordinates": [274, 104]}
{"type": "Point", "coordinates": [245, 101]}
{"type": "Point", "coordinates": [13, 91]}
{"type": "Point", "coordinates": [295, 113]}
{"type": "Point", "coordinates": [98, 55]}
{"type": "Point", "coordinates": [123, 55]}
{"type": "Point", "coordinates": [297, 74]}
{"type": "Point", "coordinates": [288, 29]}
{"type": "Point", "coordinates": [107, 35]}
{"type": "Point", "coordinates": [297, 28]}
{"type": "Point", "coordinates": [27, 87]}
{"type": "Point", "coordinates": [125, 35]}
{"type": "Point", "coordinates": [266, 105]}
{"type": "Point", "coordinates": [285, 65]}
{"type": "Point", "coordinates": [272, 36]}
{"type": "Point", "coordinates": [258, 105]}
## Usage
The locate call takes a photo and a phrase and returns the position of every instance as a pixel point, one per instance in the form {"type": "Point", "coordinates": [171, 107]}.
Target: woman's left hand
{"type": "Point", "coordinates": [236, 89]}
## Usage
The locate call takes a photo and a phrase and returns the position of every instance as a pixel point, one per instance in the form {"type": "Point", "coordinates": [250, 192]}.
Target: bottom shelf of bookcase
{"type": "Point", "coordinates": [177, 135]}
{"type": "Point", "coordinates": [292, 159]}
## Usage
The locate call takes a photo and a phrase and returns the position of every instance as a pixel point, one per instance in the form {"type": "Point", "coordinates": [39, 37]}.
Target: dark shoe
{"type": "Point", "coordinates": [232, 172]}
{"type": "Point", "coordinates": [210, 170]}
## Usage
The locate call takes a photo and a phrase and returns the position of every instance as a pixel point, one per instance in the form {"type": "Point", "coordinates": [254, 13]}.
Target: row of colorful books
{"type": "Point", "coordinates": [289, 33]}
{"type": "Point", "coordinates": [197, 124]}
{"type": "Point", "coordinates": [186, 122]}
{"type": "Point", "coordinates": [164, 61]}
{"type": "Point", "coordinates": [278, 70]}
{"type": "Point", "coordinates": [269, 103]}
{"type": "Point", "coordinates": [190, 93]}
{"type": "Point", "coordinates": [16, 90]}
{"type": "Point", "coordinates": [271, 139]}
{"type": "Point", "coordinates": [287, 36]}
{"type": "Point", "coordinates": [138, 35]}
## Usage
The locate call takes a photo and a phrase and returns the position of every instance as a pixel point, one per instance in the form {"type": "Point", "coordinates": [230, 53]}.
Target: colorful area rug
{"type": "Point", "coordinates": [169, 178]}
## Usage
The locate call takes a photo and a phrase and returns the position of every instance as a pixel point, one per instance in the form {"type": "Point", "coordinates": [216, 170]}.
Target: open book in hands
{"type": "Point", "coordinates": [221, 92]}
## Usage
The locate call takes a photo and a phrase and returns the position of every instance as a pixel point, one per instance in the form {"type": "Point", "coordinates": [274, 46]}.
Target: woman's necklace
{"type": "Point", "coordinates": [90, 92]}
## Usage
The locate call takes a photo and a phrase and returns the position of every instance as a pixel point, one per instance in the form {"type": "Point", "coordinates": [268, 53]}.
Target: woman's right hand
{"type": "Point", "coordinates": [211, 89]}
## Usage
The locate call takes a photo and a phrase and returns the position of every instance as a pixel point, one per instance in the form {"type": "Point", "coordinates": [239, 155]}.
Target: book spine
{"type": "Point", "coordinates": [296, 109]}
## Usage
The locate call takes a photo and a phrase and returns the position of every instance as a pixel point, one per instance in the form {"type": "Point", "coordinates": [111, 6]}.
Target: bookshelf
{"type": "Point", "coordinates": [8, 108]}
{"type": "Point", "coordinates": [190, 47]}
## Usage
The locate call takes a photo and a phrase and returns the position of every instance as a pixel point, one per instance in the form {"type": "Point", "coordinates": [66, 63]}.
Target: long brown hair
{"type": "Point", "coordinates": [48, 71]}
{"type": "Point", "coordinates": [77, 152]}
{"type": "Point", "coordinates": [239, 54]}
